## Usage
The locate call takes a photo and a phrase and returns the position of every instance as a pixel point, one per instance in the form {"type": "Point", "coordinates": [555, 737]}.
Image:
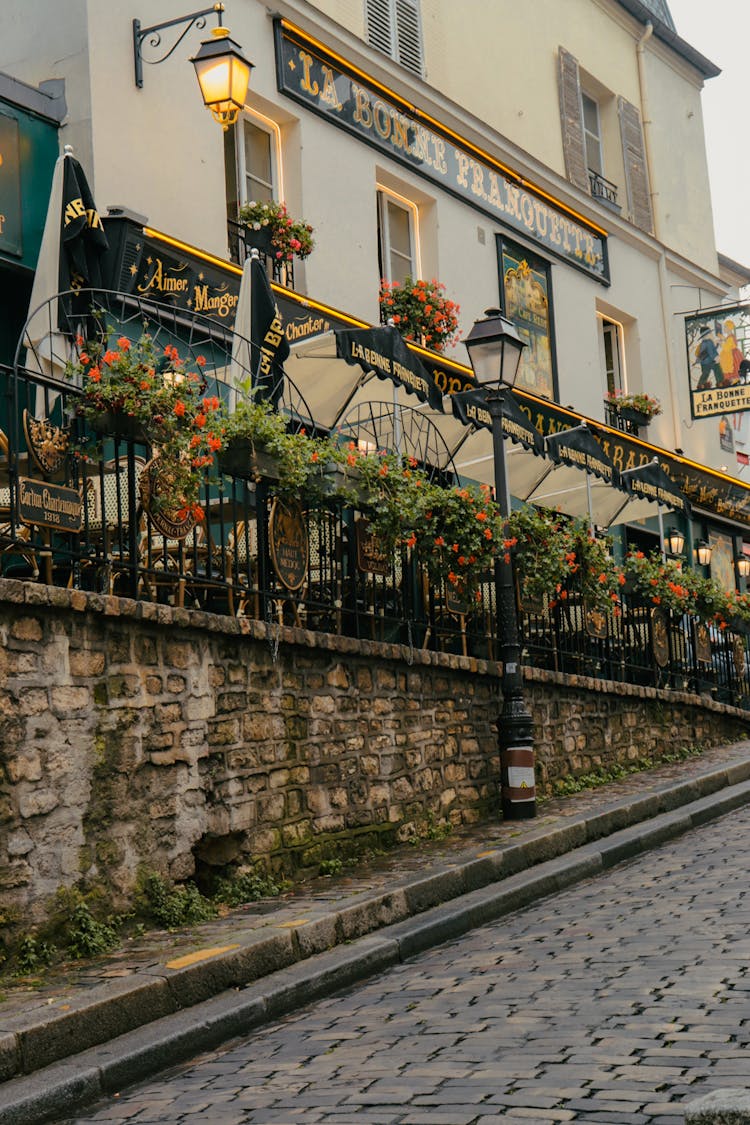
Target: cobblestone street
{"type": "Point", "coordinates": [615, 1002]}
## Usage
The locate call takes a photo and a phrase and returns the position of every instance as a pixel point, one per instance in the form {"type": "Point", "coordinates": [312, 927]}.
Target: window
{"type": "Point", "coordinates": [256, 159]}
{"type": "Point", "coordinates": [251, 162]}
{"type": "Point", "coordinates": [397, 237]}
{"type": "Point", "coordinates": [395, 27]}
{"type": "Point", "coordinates": [592, 134]}
{"type": "Point", "coordinates": [252, 167]}
{"type": "Point", "coordinates": [611, 350]}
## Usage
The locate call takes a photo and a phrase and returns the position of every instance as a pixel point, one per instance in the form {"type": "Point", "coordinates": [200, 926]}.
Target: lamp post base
{"type": "Point", "coordinates": [516, 744]}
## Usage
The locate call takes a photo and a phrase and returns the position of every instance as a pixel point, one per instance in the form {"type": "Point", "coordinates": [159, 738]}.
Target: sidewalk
{"type": "Point", "coordinates": [89, 1029]}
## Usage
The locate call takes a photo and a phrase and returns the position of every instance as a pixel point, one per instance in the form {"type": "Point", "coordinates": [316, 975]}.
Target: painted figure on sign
{"type": "Point", "coordinates": [707, 355]}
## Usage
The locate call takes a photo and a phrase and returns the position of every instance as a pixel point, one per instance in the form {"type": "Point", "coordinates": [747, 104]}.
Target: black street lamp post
{"type": "Point", "coordinates": [494, 348]}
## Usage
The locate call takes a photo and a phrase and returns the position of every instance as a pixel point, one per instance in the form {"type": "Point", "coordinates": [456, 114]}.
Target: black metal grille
{"type": "Point", "coordinates": [225, 565]}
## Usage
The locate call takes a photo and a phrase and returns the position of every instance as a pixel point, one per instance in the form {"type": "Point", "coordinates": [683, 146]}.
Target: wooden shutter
{"type": "Point", "coordinates": [395, 27]}
{"type": "Point", "coordinates": [379, 25]}
{"type": "Point", "coordinates": [571, 120]}
{"type": "Point", "coordinates": [409, 35]}
{"type": "Point", "coordinates": [636, 173]}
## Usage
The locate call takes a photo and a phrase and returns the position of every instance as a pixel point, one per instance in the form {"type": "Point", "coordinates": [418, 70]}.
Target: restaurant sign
{"type": "Point", "coordinates": [705, 489]}
{"type": "Point", "coordinates": [718, 354]}
{"type": "Point", "coordinates": [148, 265]}
{"type": "Point", "coordinates": [49, 505]}
{"type": "Point", "coordinates": [10, 187]}
{"type": "Point", "coordinates": [363, 108]}
{"type": "Point", "coordinates": [288, 543]}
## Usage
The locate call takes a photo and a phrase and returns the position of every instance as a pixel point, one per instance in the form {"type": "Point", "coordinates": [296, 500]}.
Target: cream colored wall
{"type": "Point", "coordinates": [40, 40]}
{"type": "Point", "coordinates": [157, 151]}
{"type": "Point", "coordinates": [684, 220]}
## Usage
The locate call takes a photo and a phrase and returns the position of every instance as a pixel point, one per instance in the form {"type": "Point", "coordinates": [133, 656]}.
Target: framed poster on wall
{"type": "Point", "coordinates": [722, 560]}
{"type": "Point", "coordinates": [526, 300]}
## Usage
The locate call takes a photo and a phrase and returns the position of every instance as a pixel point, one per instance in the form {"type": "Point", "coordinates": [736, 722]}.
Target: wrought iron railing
{"type": "Point", "coordinates": [299, 563]}
{"type": "Point", "coordinates": [602, 189]}
{"type": "Point", "coordinates": [241, 242]}
{"type": "Point", "coordinates": [623, 419]}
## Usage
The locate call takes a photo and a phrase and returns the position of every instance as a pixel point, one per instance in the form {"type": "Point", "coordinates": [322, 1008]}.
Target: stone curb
{"type": "Point", "coordinates": [728, 1106]}
{"type": "Point", "coordinates": [124, 1031]}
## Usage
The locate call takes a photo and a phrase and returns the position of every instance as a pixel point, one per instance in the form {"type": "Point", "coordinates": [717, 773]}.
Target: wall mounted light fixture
{"type": "Point", "coordinates": [703, 552]}
{"type": "Point", "coordinates": [222, 70]}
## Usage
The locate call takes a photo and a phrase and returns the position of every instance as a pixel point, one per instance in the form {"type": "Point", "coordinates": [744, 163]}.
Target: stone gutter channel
{"type": "Point", "coordinates": [63, 1053]}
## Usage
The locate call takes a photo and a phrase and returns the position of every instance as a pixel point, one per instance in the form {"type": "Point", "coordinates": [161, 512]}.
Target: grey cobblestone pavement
{"type": "Point", "coordinates": [612, 1002]}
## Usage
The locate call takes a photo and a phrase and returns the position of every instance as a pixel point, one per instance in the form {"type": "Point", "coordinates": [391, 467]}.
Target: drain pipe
{"type": "Point", "coordinates": [662, 260]}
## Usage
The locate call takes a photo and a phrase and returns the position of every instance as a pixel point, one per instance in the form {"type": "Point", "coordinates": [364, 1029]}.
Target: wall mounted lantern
{"type": "Point", "coordinates": [703, 552]}
{"type": "Point", "coordinates": [222, 70]}
{"type": "Point", "coordinates": [675, 541]}
{"type": "Point", "coordinates": [743, 566]}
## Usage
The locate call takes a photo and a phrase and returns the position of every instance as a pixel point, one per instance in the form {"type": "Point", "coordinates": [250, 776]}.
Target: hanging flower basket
{"type": "Point", "coordinates": [272, 225]}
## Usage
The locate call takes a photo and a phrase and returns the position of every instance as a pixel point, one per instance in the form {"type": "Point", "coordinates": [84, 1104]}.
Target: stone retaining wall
{"type": "Point", "coordinates": [133, 734]}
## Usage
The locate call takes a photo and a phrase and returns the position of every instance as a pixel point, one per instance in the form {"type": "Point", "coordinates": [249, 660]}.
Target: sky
{"type": "Point", "coordinates": [720, 30]}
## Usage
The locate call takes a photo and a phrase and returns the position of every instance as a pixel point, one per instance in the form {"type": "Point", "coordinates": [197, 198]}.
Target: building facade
{"type": "Point", "coordinates": [547, 159]}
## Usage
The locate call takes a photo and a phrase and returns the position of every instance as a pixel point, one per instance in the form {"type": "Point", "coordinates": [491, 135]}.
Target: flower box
{"type": "Point", "coordinates": [240, 458]}
{"type": "Point", "coordinates": [113, 423]}
{"type": "Point", "coordinates": [336, 480]}
{"type": "Point", "coordinates": [259, 240]}
{"type": "Point", "coordinates": [635, 417]}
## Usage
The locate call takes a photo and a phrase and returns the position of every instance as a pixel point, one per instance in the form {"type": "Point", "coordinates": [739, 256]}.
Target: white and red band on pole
{"type": "Point", "coordinates": [517, 781]}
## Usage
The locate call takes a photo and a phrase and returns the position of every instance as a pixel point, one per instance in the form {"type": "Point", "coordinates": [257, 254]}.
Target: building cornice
{"type": "Point", "coordinates": [644, 15]}
{"type": "Point", "coordinates": [46, 100]}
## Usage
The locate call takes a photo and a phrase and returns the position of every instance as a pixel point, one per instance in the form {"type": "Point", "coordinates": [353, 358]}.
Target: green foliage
{"type": "Point", "coordinates": [140, 382]}
{"type": "Point", "coordinates": [331, 867]}
{"type": "Point", "coordinates": [666, 583]}
{"type": "Point", "coordinates": [33, 955]}
{"type": "Point", "coordinates": [604, 775]}
{"type": "Point", "coordinates": [173, 906]}
{"type": "Point", "coordinates": [255, 421]}
{"type": "Point", "coordinates": [88, 937]}
{"type": "Point", "coordinates": [247, 886]}
{"type": "Point", "coordinates": [643, 403]}
{"type": "Point", "coordinates": [456, 532]}
{"type": "Point", "coordinates": [556, 556]}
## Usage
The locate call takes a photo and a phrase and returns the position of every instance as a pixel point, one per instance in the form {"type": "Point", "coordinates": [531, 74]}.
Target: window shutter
{"type": "Point", "coordinates": [636, 174]}
{"type": "Point", "coordinates": [394, 27]}
{"type": "Point", "coordinates": [409, 35]}
{"type": "Point", "coordinates": [379, 26]}
{"type": "Point", "coordinates": [571, 120]}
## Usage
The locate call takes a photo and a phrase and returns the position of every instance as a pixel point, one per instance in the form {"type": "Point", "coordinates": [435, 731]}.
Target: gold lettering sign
{"type": "Point", "coordinates": [322, 84]}
{"type": "Point", "coordinates": [371, 559]}
{"type": "Point", "coordinates": [288, 543]}
{"type": "Point", "coordinates": [48, 505]}
{"type": "Point", "coordinates": [660, 637]}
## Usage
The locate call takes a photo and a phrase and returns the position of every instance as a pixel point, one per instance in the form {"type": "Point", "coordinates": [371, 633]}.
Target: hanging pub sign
{"type": "Point", "coordinates": [10, 187]}
{"type": "Point", "coordinates": [718, 355]}
{"type": "Point", "coordinates": [364, 108]}
{"type": "Point", "coordinates": [288, 543]}
{"type": "Point", "coordinates": [526, 301]}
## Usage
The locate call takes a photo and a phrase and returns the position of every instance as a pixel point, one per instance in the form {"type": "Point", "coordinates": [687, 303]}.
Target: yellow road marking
{"type": "Point", "coordinates": [201, 955]}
